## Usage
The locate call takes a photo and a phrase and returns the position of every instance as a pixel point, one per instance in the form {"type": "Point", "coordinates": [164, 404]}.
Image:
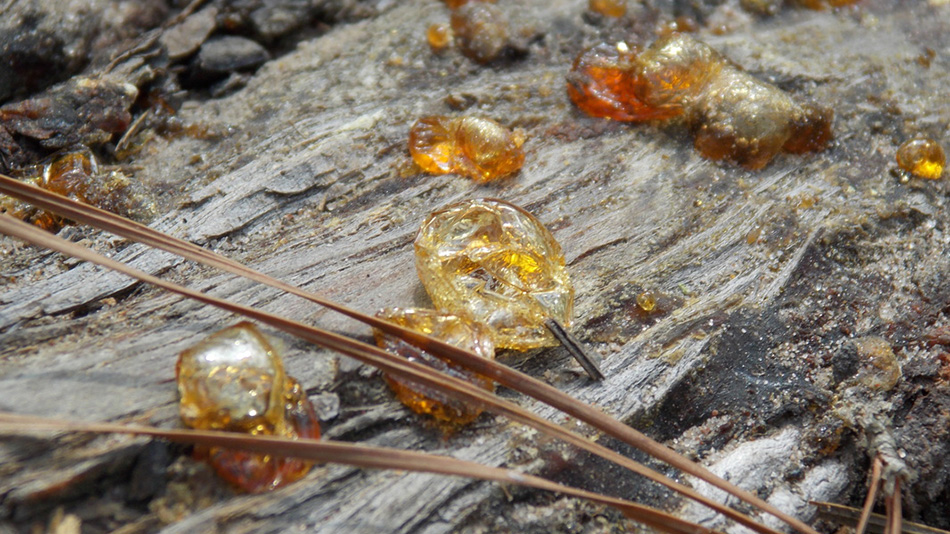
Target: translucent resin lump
{"type": "Point", "coordinates": [480, 30]}
{"type": "Point", "coordinates": [76, 175]}
{"type": "Point", "coordinates": [439, 36]}
{"type": "Point", "coordinates": [495, 263]}
{"type": "Point", "coordinates": [453, 329]}
{"type": "Point", "coordinates": [732, 115]}
{"type": "Point", "coordinates": [234, 380]}
{"type": "Point", "coordinates": [603, 83]}
{"type": "Point", "coordinates": [923, 158]}
{"type": "Point", "coordinates": [475, 147]}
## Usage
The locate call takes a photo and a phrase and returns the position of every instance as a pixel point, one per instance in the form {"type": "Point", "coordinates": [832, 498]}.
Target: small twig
{"type": "Point", "coordinates": [189, 9]}
{"type": "Point", "coordinates": [848, 516]}
{"type": "Point", "coordinates": [127, 136]}
{"type": "Point", "coordinates": [152, 37]}
{"type": "Point", "coordinates": [143, 45]}
{"type": "Point", "coordinates": [574, 348]}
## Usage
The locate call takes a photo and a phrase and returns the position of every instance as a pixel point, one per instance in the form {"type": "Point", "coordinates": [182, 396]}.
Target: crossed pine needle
{"type": "Point", "coordinates": [374, 457]}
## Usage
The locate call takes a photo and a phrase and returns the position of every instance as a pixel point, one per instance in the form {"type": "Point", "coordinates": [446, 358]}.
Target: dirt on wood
{"type": "Point", "coordinates": [801, 324]}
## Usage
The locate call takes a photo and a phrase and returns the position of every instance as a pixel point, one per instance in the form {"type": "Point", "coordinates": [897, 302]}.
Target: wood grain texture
{"type": "Point", "coordinates": [768, 274]}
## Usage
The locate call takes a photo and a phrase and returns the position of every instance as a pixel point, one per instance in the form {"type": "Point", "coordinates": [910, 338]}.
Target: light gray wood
{"type": "Point", "coordinates": [310, 185]}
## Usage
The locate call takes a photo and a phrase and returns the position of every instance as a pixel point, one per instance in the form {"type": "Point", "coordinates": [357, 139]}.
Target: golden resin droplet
{"type": "Point", "coordinates": [923, 158]}
{"type": "Point", "coordinates": [646, 301]}
{"type": "Point", "coordinates": [234, 380]}
{"type": "Point", "coordinates": [450, 328]}
{"type": "Point", "coordinates": [496, 263]}
{"type": "Point", "coordinates": [475, 147]}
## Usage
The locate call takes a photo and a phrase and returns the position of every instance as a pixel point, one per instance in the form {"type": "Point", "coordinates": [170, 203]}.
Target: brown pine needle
{"type": "Point", "coordinates": [894, 515]}
{"type": "Point", "coordinates": [360, 456]}
{"type": "Point", "coordinates": [375, 356]}
{"type": "Point", "coordinates": [502, 374]}
{"type": "Point", "coordinates": [876, 466]}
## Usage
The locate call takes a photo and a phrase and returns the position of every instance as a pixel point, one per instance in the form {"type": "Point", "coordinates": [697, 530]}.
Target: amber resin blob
{"type": "Point", "coordinates": [452, 329]}
{"type": "Point", "coordinates": [475, 147]}
{"type": "Point", "coordinates": [234, 380]}
{"type": "Point", "coordinates": [497, 264]}
{"type": "Point", "coordinates": [603, 83]}
{"type": "Point", "coordinates": [439, 36]}
{"type": "Point", "coordinates": [923, 158]}
{"type": "Point", "coordinates": [732, 114]}
{"type": "Point", "coordinates": [480, 30]}
{"type": "Point", "coordinates": [608, 8]}
{"type": "Point", "coordinates": [77, 175]}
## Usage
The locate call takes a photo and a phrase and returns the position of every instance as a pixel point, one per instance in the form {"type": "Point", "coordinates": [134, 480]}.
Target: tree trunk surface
{"type": "Point", "coordinates": [775, 287]}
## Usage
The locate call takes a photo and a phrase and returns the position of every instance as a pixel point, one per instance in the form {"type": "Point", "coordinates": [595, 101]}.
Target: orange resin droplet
{"type": "Point", "coordinates": [455, 4]}
{"type": "Point", "coordinates": [234, 380]}
{"type": "Point", "coordinates": [923, 158]}
{"type": "Point", "coordinates": [475, 147]}
{"type": "Point", "coordinates": [76, 175]}
{"type": "Point", "coordinates": [679, 24]}
{"type": "Point", "coordinates": [603, 83]}
{"type": "Point", "coordinates": [810, 129]}
{"type": "Point", "coordinates": [608, 8]}
{"type": "Point", "coordinates": [439, 36]}
{"type": "Point", "coordinates": [453, 329]}
{"type": "Point", "coordinates": [432, 144]}
{"type": "Point", "coordinates": [71, 175]}
{"type": "Point", "coordinates": [496, 263]}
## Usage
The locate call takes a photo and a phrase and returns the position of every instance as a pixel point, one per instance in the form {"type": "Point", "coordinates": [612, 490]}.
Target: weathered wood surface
{"type": "Point", "coordinates": [767, 275]}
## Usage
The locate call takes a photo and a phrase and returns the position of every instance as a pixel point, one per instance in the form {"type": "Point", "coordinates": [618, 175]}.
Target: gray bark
{"type": "Point", "coordinates": [764, 278]}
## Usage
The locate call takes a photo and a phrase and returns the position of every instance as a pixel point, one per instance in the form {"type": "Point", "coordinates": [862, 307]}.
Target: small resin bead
{"type": "Point", "coordinates": [452, 329]}
{"type": "Point", "coordinates": [475, 147]}
{"type": "Point", "coordinates": [495, 263]}
{"type": "Point", "coordinates": [608, 8]}
{"type": "Point", "coordinates": [481, 31]}
{"type": "Point", "coordinates": [439, 36]}
{"type": "Point", "coordinates": [923, 158]}
{"type": "Point", "coordinates": [646, 301]}
{"type": "Point", "coordinates": [234, 380]}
